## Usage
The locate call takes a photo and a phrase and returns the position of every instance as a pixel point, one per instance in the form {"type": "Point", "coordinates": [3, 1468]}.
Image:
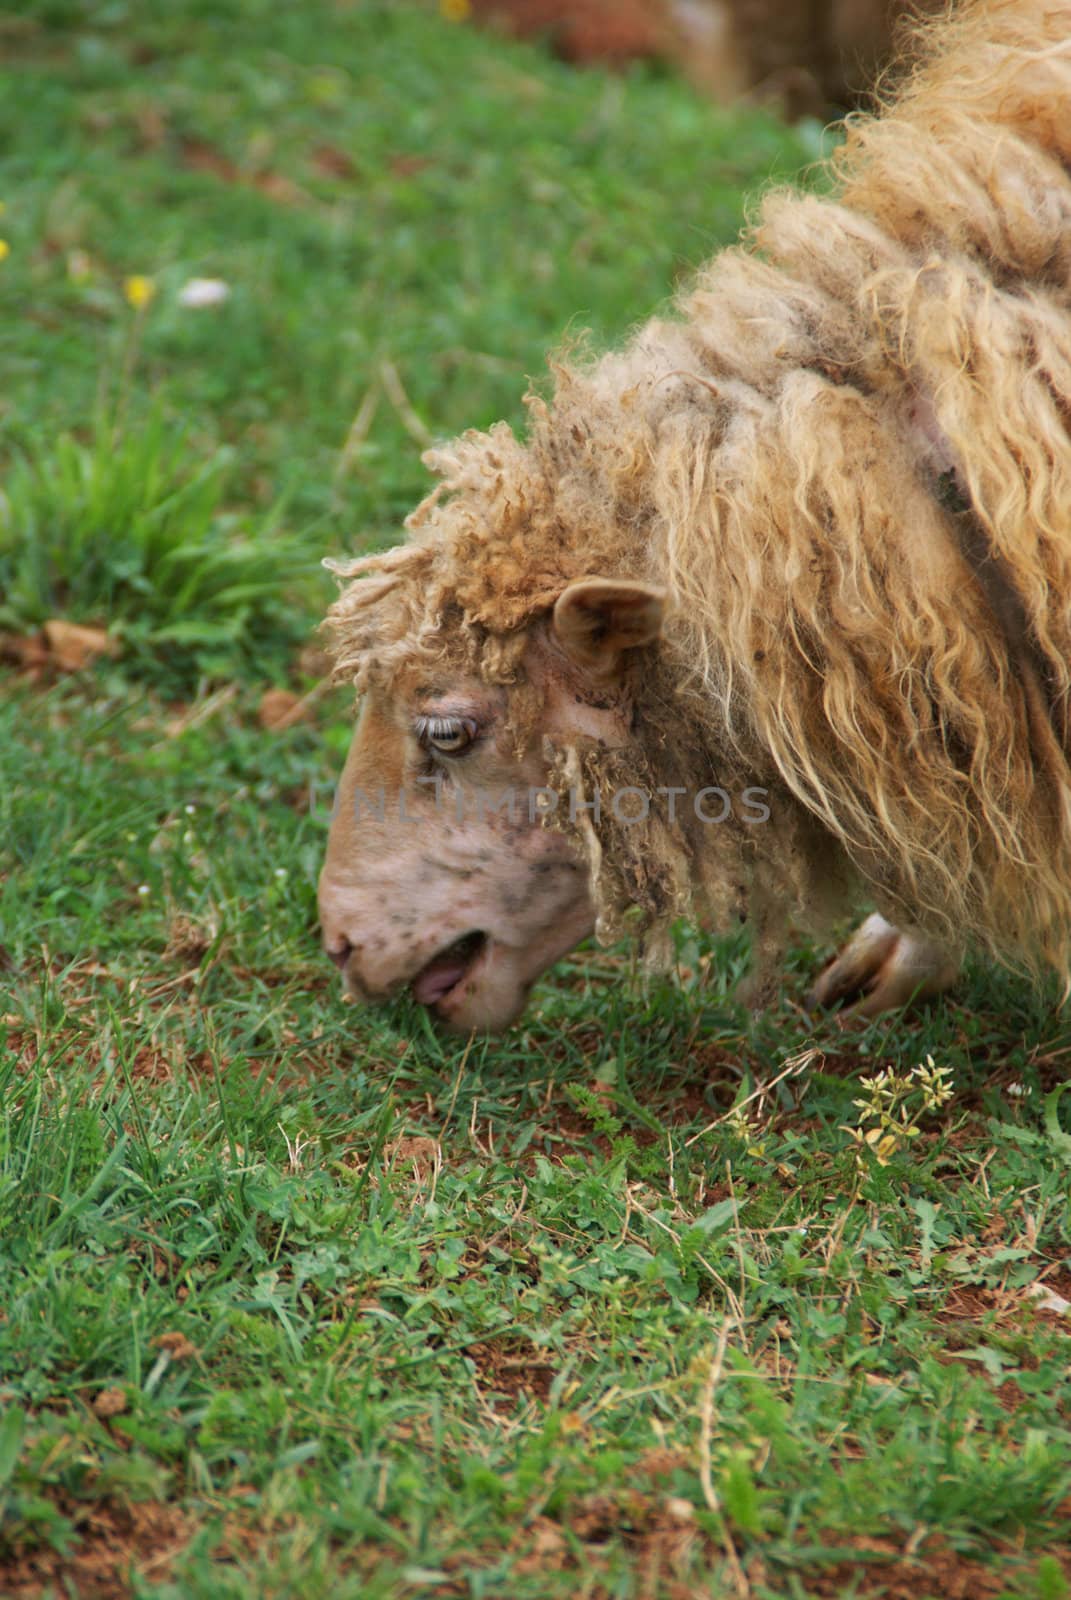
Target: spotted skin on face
{"type": "Point", "coordinates": [427, 873]}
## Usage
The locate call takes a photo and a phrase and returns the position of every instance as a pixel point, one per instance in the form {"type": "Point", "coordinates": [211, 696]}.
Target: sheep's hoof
{"type": "Point", "coordinates": [882, 968]}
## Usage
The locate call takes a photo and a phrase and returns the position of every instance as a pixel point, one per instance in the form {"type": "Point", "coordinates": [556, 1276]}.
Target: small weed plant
{"type": "Point", "coordinates": [892, 1106]}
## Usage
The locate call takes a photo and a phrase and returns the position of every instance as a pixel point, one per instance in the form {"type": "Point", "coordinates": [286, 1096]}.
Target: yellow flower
{"type": "Point", "coordinates": [138, 291]}
{"type": "Point", "coordinates": [455, 10]}
{"type": "Point", "coordinates": [5, 249]}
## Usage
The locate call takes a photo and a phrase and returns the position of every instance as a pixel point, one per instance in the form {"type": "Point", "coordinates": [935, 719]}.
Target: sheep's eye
{"type": "Point", "coordinates": [448, 735]}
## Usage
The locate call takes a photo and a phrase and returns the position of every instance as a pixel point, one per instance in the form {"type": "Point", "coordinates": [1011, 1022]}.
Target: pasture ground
{"type": "Point", "coordinates": [301, 1301]}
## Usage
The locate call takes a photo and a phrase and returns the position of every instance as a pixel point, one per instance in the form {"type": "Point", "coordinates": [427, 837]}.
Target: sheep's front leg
{"type": "Point", "coordinates": [885, 967]}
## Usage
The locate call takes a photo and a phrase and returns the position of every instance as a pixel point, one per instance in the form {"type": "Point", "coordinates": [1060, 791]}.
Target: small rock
{"type": "Point", "coordinates": [109, 1403]}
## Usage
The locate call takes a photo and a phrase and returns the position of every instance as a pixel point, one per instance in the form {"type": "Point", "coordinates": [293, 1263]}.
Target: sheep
{"type": "Point", "coordinates": [807, 539]}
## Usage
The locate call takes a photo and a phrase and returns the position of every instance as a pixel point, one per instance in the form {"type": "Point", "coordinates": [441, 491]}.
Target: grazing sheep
{"type": "Point", "coordinates": [812, 539]}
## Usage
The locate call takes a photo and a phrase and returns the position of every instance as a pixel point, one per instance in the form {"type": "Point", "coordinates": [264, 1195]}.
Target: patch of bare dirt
{"type": "Point", "coordinates": [659, 1531]}
{"type": "Point", "coordinates": [967, 1305]}
{"type": "Point", "coordinates": [1057, 1279]}
{"type": "Point", "coordinates": [115, 1543]}
{"type": "Point", "coordinates": [1052, 1068]}
{"type": "Point", "coordinates": [331, 162]}
{"type": "Point", "coordinates": [200, 156]}
{"type": "Point", "coordinates": [407, 165]}
{"type": "Point", "coordinates": [511, 1373]}
{"type": "Point", "coordinates": [971, 1302]}
{"type": "Point", "coordinates": [661, 1534]}
{"type": "Point", "coordinates": [80, 1041]}
{"type": "Point", "coordinates": [880, 1568]}
{"type": "Point", "coordinates": [1009, 1395]}
{"type": "Point", "coordinates": [422, 1155]}
{"type": "Point", "coordinates": [82, 1044]}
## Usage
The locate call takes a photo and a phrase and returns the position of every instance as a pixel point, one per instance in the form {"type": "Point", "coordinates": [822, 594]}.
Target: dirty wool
{"type": "Point", "coordinates": [845, 453]}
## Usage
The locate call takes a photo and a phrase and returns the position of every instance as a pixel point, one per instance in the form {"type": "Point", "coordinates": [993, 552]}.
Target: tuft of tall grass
{"type": "Point", "coordinates": [129, 531]}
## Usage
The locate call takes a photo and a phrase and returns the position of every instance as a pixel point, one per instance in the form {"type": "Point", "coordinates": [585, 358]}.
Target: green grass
{"type": "Point", "coordinates": [302, 1300]}
{"type": "Point", "coordinates": [123, 529]}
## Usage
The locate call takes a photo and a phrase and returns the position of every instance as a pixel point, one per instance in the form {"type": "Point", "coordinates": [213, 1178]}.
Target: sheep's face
{"type": "Point", "coordinates": [440, 874]}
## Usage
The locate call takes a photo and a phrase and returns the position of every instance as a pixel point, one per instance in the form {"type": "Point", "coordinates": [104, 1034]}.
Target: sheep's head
{"type": "Point", "coordinates": [442, 875]}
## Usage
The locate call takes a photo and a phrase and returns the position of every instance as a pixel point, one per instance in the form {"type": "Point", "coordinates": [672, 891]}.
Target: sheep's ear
{"type": "Point", "coordinates": [597, 619]}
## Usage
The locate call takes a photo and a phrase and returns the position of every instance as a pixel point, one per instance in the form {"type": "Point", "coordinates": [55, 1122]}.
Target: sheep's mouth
{"type": "Point", "coordinates": [448, 969]}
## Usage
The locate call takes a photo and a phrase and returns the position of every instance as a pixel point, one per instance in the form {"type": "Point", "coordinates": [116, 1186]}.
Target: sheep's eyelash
{"type": "Point", "coordinates": [436, 727]}
{"type": "Point", "coordinates": [427, 727]}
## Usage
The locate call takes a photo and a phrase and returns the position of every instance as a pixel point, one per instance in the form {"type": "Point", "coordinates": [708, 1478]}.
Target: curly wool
{"type": "Point", "coordinates": [849, 461]}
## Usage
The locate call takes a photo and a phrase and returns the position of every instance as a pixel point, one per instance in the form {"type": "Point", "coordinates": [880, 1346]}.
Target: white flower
{"type": "Point", "coordinates": [196, 293]}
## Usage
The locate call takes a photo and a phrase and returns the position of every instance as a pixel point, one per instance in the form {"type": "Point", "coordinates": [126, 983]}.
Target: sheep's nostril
{"type": "Point", "coordinates": [341, 953]}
